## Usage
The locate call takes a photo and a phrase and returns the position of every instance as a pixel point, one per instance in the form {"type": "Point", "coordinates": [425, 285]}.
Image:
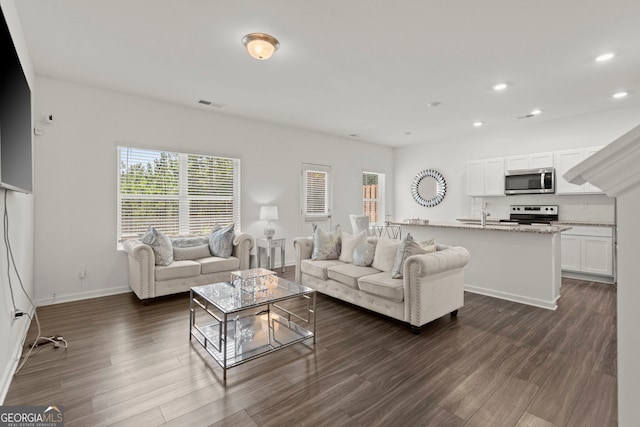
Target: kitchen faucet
{"type": "Point", "coordinates": [485, 214]}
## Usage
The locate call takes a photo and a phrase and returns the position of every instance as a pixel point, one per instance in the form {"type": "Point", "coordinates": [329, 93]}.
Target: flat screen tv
{"type": "Point", "coordinates": [15, 118]}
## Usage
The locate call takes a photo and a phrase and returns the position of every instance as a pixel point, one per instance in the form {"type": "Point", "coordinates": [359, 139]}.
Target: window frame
{"type": "Point", "coordinates": [185, 219]}
{"type": "Point", "coordinates": [380, 199]}
{"type": "Point", "coordinates": [328, 192]}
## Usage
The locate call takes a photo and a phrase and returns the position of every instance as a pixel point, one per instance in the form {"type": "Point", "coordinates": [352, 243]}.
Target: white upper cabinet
{"type": "Point", "coordinates": [485, 177]}
{"type": "Point", "coordinates": [565, 160]}
{"type": "Point", "coordinates": [529, 161]}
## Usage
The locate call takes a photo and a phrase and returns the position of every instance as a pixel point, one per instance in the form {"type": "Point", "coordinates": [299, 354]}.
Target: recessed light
{"type": "Point", "coordinates": [499, 86]}
{"type": "Point", "coordinates": [619, 95]}
{"type": "Point", "coordinates": [434, 104]}
{"type": "Point", "coordinates": [477, 124]}
{"type": "Point", "coordinates": [536, 112]}
{"type": "Point", "coordinates": [605, 57]}
{"type": "Point", "coordinates": [354, 135]}
{"type": "Point", "coordinates": [407, 133]}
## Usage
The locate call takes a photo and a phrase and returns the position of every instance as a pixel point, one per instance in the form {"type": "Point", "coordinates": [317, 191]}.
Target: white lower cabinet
{"type": "Point", "coordinates": [588, 250]}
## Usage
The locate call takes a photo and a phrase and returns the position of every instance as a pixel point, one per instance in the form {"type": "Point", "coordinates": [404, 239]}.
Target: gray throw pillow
{"type": "Point", "coordinates": [221, 241]}
{"type": "Point", "coordinates": [191, 252]}
{"type": "Point", "coordinates": [161, 245]}
{"type": "Point", "coordinates": [363, 254]}
{"type": "Point", "coordinates": [409, 247]}
{"type": "Point", "coordinates": [189, 242]}
{"type": "Point", "coordinates": [326, 244]}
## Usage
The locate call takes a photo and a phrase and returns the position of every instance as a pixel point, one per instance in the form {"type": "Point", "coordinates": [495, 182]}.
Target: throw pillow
{"type": "Point", "coordinates": [161, 245]}
{"type": "Point", "coordinates": [326, 244]}
{"type": "Point", "coordinates": [409, 247]}
{"type": "Point", "coordinates": [221, 241]}
{"type": "Point", "coordinates": [385, 255]}
{"type": "Point", "coordinates": [189, 242]}
{"type": "Point", "coordinates": [363, 254]}
{"type": "Point", "coordinates": [191, 252]}
{"type": "Point", "coordinates": [349, 243]}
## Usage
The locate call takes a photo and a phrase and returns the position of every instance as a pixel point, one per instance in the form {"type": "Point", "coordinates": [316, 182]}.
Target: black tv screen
{"type": "Point", "coordinates": [15, 118]}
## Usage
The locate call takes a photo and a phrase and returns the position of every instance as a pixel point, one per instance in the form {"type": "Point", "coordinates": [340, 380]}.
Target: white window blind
{"type": "Point", "coordinates": [317, 187]}
{"type": "Point", "coordinates": [178, 193]}
{"type": "Point", "coordinates": [372, 196]}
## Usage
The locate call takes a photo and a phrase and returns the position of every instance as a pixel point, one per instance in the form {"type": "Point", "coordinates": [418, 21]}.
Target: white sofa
{"type": "Point", "coordinates": [432, 283]}
{"type": "Point", "coordinates": [148, 280]}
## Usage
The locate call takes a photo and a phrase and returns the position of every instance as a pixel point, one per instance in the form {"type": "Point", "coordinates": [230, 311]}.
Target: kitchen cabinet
{"type": "Point", "coordinates": [565, 160]}
{"type": "Point", "coordinates": [529, 161]}
{"type": "Point", "coordinates": [485, 177]}
{"type": "Point", "coordinates": [588, 250]}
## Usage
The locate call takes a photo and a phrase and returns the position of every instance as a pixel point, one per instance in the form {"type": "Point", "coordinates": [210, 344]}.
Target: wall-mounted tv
{"type": "Point", "coordinates": [15, 118]}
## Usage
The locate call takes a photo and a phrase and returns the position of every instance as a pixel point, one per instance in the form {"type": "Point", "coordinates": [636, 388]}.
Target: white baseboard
{"type": "Point", "coordinates": [10, 370]}
{"type": "Point", "coordinates": [82, 295]}
{"type": "Point", "coordinates": [549, 305]}
{"type": "Point", "coordinates": [588, 277]}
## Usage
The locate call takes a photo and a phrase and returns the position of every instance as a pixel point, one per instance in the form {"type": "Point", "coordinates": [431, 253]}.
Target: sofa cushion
{"type": "Point", "coordinates": [349, 242]}
{"type": "Point", "coordinates": [385, 255]}
{"type": "Point", "coordinates": [382, 285]}
{"type": "Point", "coordinates": [177, 270]}
{"type": "Point", "coordinates": [317, 269]}
{"type": "Point", "coordinates": [161, 245]}
{"type": "Point", "coordinates": [408, 246]}
{"type": "Point", "coordinates": [193, 252]}
{"type": "Point", "coordinates": [348, 274]}
{"type": "Point", "coordinates": [363, 254]}
{"type": "Point", "coordinates": [214, 264]}
{"type": "Point", "coordinates": [326, 244]}
{"type": "Point", "coordinates": [221, 241]}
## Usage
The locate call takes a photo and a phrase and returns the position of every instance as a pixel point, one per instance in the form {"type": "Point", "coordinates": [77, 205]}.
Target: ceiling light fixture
{"type": "Point", "coordinates": [261, 46]}
{"type": "Point", "coordinates": [605, 57]}
{"type": "Point", "coordinates": [619, 95]}
{"type": "Point", "coordinates": [478, 124]}
{"type": "Point", "coordinates": [500, 86]}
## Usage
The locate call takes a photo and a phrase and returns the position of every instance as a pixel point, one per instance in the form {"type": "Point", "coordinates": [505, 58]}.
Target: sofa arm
{"type": "Point", "coordinates": [242, 245]}
{"type": "Point", "coordinates": [142, 264]}
{"type": "Point", "coordinates": [434, 284]}
{"type": "Point", "coordinates": [304, 248]}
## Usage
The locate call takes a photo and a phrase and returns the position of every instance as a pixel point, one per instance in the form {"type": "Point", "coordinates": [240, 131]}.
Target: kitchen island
{"type": "Point", "coordinates": [519, 263]}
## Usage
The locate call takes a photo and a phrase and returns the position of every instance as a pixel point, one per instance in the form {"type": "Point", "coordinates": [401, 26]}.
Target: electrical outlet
{"type": "Point", "coordinates": [82, 270]}
{"type": "Point", "coordinates": [16, 314]}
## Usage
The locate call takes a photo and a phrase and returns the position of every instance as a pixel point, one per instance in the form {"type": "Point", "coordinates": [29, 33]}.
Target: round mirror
{"type": "Point", "coordinates": [428, 188]}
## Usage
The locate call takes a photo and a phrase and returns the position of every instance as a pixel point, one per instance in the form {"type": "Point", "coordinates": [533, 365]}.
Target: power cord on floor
{"type": "Point", "coordinates": [57, 341]}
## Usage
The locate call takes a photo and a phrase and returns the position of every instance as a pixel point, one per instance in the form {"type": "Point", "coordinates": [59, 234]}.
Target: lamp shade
{"type": "Point", "coordinates": [260, 46]}
{"type": "Point", "coordinates": [269, 213]}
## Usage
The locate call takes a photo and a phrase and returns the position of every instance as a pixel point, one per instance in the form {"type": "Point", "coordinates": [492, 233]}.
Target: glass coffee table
{"type": "Point", "coordinates": [235, 325]}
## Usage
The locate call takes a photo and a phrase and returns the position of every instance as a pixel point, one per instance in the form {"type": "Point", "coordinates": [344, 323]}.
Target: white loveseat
{"type": "Point", "coordinates": [432, 283]}
{"type": "Point", "coordinates": [148, 280]}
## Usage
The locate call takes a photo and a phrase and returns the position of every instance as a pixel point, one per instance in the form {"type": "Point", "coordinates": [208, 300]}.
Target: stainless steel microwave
{"type": "Point", "coordinates": [530, 181]}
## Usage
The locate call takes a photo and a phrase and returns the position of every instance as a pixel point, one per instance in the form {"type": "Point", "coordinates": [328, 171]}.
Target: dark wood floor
{"type": "Point", "coordinates": [497, 364]}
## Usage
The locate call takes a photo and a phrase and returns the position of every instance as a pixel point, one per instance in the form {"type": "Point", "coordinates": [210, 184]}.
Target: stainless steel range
{"type": "Point", "coordinates": [524, 214]}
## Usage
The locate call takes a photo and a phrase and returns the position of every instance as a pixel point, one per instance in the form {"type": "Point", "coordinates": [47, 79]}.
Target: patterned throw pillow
{"type": "Point", "coordinates": [409, 247]}
{"type": "Point", "coordinates": [326, 245]}
{"type": "Point", "coordinates": [161, 245]}
{"type": "Point", "coordinates": [221, 241]}
{"type": "Point", "coordinates": [191, 252]}
{"type": "Point", "coordinates": [188, 242]}
{"type": "Point", "coordinates": [363, 254]}
{"type": "Point", "coordinates": [349, 242]}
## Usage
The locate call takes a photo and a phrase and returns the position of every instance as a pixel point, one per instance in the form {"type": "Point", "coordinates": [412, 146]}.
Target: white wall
{"type": "Point", "coordinates": [449, 157]}
{"type": "Point", "coordinates": [75, 171]}
{"type": "Point", "coordinates": [20, 211]}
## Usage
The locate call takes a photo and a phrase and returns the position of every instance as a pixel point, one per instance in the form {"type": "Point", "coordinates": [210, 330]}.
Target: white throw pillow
{"type": "Point", "coordinates": [385, 255]}
{"type": "Point", "coordinates": [349, 243]}
{"type": "Point", "coordinates": [161, 245]}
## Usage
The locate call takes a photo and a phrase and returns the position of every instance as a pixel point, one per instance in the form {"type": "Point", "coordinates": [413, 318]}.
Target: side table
{"type": "Point", "coordinates": [269, 246]}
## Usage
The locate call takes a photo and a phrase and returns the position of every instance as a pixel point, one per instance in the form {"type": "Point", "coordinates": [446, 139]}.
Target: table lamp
{"type": "Point", "coordinates": [269, 213]}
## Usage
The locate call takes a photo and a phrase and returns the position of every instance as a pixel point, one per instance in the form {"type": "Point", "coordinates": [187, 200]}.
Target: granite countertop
{"type": "Point", "coordinates": [561, 223]}
{"type": "Point", "coordinates": [494, 225]}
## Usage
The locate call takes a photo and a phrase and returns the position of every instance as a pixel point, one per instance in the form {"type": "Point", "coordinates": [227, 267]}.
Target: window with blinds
{"type": "Point", "coordinates": [178, 193]}
{"type": "Point", "coordinates": [316, 185]}
{"type": "Point", "coordinates": [372, 196]}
